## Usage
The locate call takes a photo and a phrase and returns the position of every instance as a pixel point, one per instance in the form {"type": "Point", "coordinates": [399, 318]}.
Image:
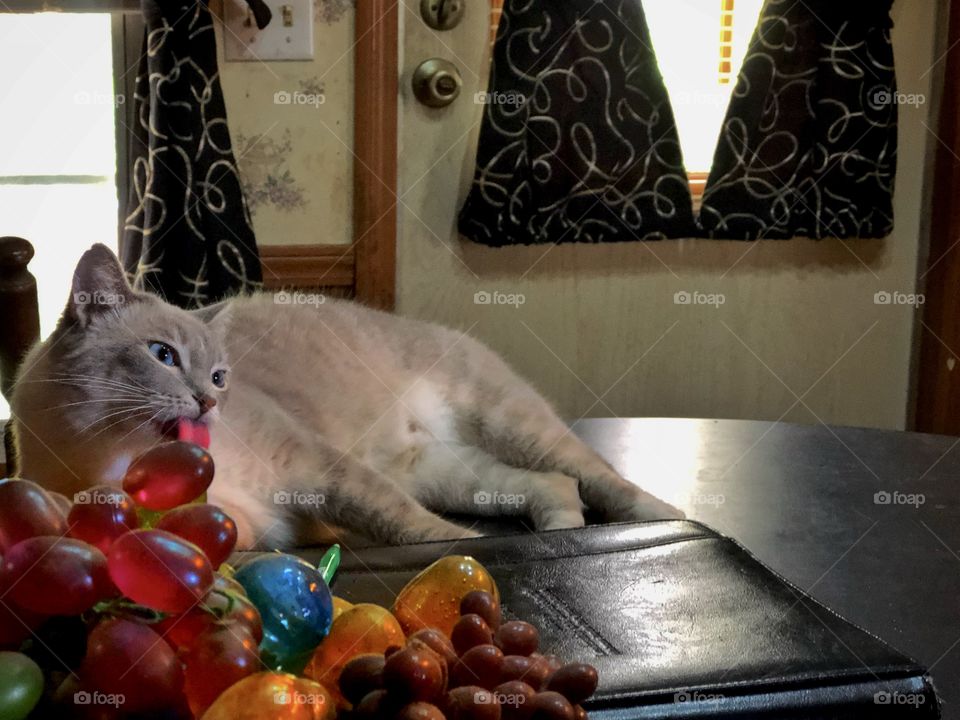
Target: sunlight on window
{"type": "Point", "coordinates": [687, 40]}
{"type": "Point", "coordinates": [57, 153]}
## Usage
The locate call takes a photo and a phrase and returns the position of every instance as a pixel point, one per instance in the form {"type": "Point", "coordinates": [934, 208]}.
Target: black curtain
{"type": "Point", "coordinates": [578, 140]}
{"type": "Point", "coordinates": [809, 144]}
{"type": "Point", "coordinates": [188, 234]}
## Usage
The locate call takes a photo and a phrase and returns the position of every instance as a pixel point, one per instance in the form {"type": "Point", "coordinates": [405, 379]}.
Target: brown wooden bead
{"type": "Point", "coordinates": [482, 603]}
{"type": "Point", "coordinates": [471, 630]}
{"type": "Point", "coordinates": [518, 638]}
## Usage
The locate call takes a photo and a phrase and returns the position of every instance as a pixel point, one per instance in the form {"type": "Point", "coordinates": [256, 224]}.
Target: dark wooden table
{"type": "Point", "coordinates": [804, 500]}
{"type": "Point", "coordinates": [866, 521]}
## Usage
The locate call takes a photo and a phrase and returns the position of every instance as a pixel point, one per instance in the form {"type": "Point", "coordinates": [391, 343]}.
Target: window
{"type": "Point", "coordinates": [699, 59]}
{"type": "Point", "coordinates": [57, 144]}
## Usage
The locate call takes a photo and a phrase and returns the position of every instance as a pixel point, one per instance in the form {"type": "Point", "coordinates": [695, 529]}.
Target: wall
{"type": "Point", "coordinates": [799, 337]}
{"type": "Point", "coordinates": [295, 159]}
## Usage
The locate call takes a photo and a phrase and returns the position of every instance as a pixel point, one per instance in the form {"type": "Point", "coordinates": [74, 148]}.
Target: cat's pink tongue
{"type": "Point", "coordinates": [194, 432]}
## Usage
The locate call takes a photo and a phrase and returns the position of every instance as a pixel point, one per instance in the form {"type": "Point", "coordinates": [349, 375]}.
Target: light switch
{"type": "Point", "coordinates": [289, 36]}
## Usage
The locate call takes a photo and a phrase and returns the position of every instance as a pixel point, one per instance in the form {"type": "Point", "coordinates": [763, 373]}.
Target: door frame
{"type": "Point", "coordinates": [368, 266]}
{"type": "Point", "coordinates": [936, 407]}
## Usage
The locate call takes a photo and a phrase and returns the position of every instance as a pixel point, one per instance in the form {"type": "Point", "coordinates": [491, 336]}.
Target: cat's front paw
{"type": "Point", "coordinates": [562, 520]}
{"type": "Point", "coordinates": [649, 507]}
{"type": "Point", "coordinates": [439, 531]}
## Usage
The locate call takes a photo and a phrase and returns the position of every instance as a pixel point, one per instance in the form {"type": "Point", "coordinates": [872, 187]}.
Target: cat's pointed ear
{"type": "Point", "coordinates": [210, 312]}
{"type": "Point", "coordinates": [99, 285]}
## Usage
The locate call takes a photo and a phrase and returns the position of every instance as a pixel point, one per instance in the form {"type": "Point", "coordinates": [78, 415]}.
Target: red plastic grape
{"type": "Point", "coordinates": [16, 623]}
{"type": "Point", "coordinates": [517, 667]}
{"type": "Point", "coordinates": [160, 570]}
{"type": "Point", "coordinates": [419, 711]}
{"type": "Point", "coordinates": [482, 603]}
{"type": "Point", "coordinates": [217, 659]}
{"type": "Point", "coordinates": [518, 638]}
{"type": "Point", "coordinates": [56, 575]}
{"type": "Point", "coordinates": [128, 658]}
{"type": "Point", "coordinates": [471, 702]}
{"type": "Point", "coordinates": [229, 608]}
{"type": "Point", "coordinates": [375, 706]}
{"type": "Point", "coordinates": [471, 630]}
{"type": "Point", "coordinates": [516, 699]}
{"type": "Point", "coordinates": [63, 503]}
{"type": "Point", "coordinates": [551, 706]}
{"type": "Point", "coordinates": [27, 512]}
{"type": "Point", "coordinates": [414, 673]}
{"type": "Point", "coordinates": [361, 676]}
{"type": "Point", "coordinates": [438, 642]}
{"type": "Point", "coordinates": [480, 665]}
{"type": "Point", "coordinates": [169, 475]}
{"type": "Point", "coordinates": [102, 514]}
{"type": "Point", "coordinates": [206, 526]}
{"type": "Point", "coordinates": [576, 682]}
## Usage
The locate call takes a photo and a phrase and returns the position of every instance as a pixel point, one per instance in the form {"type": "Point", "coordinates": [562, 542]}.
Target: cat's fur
{"type": "Point", "coordinates": [334, 415]}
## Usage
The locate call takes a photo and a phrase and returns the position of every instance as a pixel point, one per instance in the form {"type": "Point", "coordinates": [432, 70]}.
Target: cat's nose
{"type": "Point", "coordinates": [206, 403]}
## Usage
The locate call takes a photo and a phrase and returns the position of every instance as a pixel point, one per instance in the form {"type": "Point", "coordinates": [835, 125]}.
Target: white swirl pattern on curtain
{"type": "Point", "coordinates": [579, 143]}
{"type": "Point", "coordinates": [809, 144]}
{"type": "Point", "coordinates": [578, 140]}
{"type": "Point", "coordinates": [188, 234]}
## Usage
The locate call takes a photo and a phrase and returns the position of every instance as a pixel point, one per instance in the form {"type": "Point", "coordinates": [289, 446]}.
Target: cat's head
{"type": "Point", "coordinates": [123, 363]}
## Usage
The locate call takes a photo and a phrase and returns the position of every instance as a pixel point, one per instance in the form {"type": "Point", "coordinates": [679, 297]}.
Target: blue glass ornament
{"type": "Point", "coordinates": [295, 605]}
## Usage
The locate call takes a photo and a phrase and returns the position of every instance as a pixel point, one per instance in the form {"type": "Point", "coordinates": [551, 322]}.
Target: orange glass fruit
{"type": "Point", "coordinates": [359, 630]}
{"type": "Point", "coordinates": [273, 695]}
{"type": "Point", "coordinates": [432, 598]}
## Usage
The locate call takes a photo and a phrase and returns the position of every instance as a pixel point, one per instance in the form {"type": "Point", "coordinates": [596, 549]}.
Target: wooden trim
{"type": "Point", "coordinates": [308, 266]}
{"type": "Point", "coordinates": [937, 408]}
{"type": "Point", "coordinates": [697, 182]}
{"type": "Point", "coordinates": [100, 6]}
{"type": "Point", "coordinates": [376, 60]}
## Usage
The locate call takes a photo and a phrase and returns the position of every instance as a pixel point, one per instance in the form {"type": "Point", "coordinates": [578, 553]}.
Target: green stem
{"type": "Point", "coordinates": [329, 563]}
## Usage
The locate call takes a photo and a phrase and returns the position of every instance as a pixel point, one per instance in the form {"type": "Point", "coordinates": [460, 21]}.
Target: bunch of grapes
{"type": "Point", "coordinates": [112, 606]}
{"type": "Point", "coordinates": [485, 670]}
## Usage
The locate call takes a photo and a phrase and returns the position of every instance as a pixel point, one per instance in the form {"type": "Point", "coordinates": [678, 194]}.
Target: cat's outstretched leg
{"type": "Point", "coordinates": [521, 429]}
{"type": "Point", "coordinates": [465, 479]}
{"type": "Point", "coordinates": [362, 499]}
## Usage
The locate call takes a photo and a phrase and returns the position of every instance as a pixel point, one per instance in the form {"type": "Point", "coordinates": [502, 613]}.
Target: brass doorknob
{"type": "Point", "coordinates": [436, 82]}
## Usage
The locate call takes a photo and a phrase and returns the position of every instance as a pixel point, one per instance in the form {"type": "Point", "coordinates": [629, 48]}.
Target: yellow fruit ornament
{"type": "Point", "coordinates": [269, 695]}
{"type": "Point", "coordinates": [432, 598]}
{"type": "Point", "coordinates": [340, 606]}
{"type": "Point", "coordinates": [362, 629]}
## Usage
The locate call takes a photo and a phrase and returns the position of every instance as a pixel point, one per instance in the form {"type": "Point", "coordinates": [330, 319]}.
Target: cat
{"type": "Point", "coordinates": [321, 418]}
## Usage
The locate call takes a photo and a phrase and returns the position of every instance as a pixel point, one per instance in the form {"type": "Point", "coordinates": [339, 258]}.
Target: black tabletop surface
{"type": "Point", "coordinates": [866, 521]}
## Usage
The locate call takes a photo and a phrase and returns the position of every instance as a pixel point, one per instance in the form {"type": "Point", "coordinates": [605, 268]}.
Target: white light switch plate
{"type": "Point", "coordinates": [242, 41]}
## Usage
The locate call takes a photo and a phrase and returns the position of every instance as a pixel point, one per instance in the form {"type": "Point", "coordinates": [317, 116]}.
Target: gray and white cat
{"type": "Point", "coordinates": [320, 417]}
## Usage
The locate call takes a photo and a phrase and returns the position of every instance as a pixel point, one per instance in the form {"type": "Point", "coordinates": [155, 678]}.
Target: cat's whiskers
{"type": "Point", "coordinates": [149, 419]}
{"type": "Point", "coordinates": [94, 383]}
{"type": "Point", "coordinates": [131, 383]}
{"type": "Point", "coordinates": [119, 399]}
{"type": "Point", "coordinates": [127, 418]}
{"type": "Point", "coordinates": [140, 407]}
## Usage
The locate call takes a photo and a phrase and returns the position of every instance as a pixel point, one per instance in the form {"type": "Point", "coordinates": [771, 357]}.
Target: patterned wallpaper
{"type": "Point", "coordinates": [292, 129]}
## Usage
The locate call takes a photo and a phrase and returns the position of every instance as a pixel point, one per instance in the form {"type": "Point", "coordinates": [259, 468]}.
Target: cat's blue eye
{"type": "Point", "coordinates": [164, 353]}
{"type": "Point", "coordinates": [220, 378]}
